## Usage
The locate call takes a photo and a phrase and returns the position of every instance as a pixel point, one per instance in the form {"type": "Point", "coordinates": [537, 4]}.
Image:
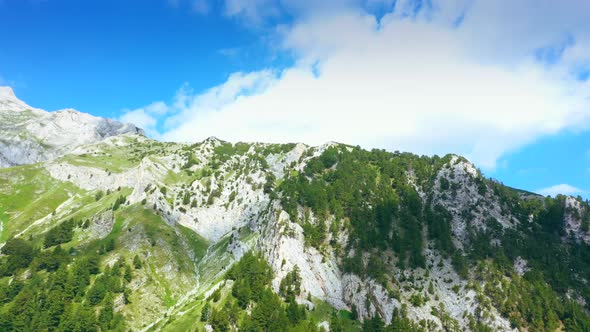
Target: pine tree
{"type": "Point", "coordinates": [106, 314]}
{"type": "Point", "coordinates": [128, 274]}
{"type": "Point", "coordinates": [137, 262]}
{"type": "Point", "coordinates": [205, 312]}
{"type": "Point", "coordinates": [86, 320]}
{"type": "Point", "coordinates": [219, 320]}
{"type": "Point", "coordinates": [98, 291]}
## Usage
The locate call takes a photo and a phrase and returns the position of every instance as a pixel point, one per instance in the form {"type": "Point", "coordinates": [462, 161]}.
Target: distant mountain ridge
{"type": "Point", "coordinates": [30, 135]}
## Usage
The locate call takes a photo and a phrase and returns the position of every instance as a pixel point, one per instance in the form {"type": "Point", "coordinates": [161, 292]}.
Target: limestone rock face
{"type": "Point", "coordinates": [574, 220]}
{"type": "Point", "coordinates": [30, 135]}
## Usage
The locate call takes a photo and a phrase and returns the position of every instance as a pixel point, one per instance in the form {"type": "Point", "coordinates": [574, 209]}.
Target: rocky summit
{"type": "Point", "coordinates": [30, 135]}
{"type": "Point", "coordinates": [104, 229]}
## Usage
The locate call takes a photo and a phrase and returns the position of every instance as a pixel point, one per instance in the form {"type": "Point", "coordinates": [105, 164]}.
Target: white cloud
{"type": "Point", "coordinates": [139, 117]}
{"type": "Point", "coordinates": [146, 117]}
{"type": "Point", "coordinates": [513, 28]}
{"type": "Point", "coordinates": [200, 107]}
{"type": "Point", "coordinates": [564, 189]}
{"type": "Point", "coordinates": [157, 108]}
{"type": "Point", "coordinates": [417, 83]}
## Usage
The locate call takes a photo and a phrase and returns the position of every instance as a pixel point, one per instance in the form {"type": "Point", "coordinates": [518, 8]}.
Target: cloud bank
{"type": "Point", "coordinates": [478, 78]}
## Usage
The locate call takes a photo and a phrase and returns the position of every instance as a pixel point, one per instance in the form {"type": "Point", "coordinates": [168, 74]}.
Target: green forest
{"type": "Point", "coordinates": [369, 192]}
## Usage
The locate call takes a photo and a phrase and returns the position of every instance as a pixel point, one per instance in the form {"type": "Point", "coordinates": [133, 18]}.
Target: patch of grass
{"type": "Point", "coordinates": [116, 163]}
{"type": "Point", "coordinates": [323, 312]}
{"type": "Point", "coordinates": [196, 242]}
{"type": "Point", "coordinates": [117, 158]}
{"type": "Point", "coordinates": [165, 250]}
{"type": "Point", "coordinates": [212, 264]}
{"type": "Point", "coordinates": [159, 232]}
{"type": "Point", "coordinates": [177, 177]}
{"type": "Point", "coordinates": [29, 193]}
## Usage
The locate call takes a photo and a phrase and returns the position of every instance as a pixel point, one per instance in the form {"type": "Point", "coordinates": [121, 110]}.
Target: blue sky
{"type": "Point", "coordinates": [69, 53]}
{"type": "Point", "coordinates": [504, 83]}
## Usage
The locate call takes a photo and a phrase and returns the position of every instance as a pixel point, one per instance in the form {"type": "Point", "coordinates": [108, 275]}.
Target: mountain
{"type": "Point", "coordinates": [29, 135]}
{"type": "Point", "coordinates": [128, 233]}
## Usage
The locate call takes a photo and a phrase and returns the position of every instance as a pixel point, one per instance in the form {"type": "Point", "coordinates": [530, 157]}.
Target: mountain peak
{"type": "Point", "coordinates": [29, 135]}
{"type": "Point", "coordinates": [9, 101]}
{"type": "Point", "coordinates": [6, 93]}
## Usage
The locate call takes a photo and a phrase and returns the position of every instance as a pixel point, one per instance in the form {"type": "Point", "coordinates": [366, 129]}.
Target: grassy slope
{"type": "Point", "coordinates": [124, 155]}
{"type": "Point", "coordinates": [168, 272]}
{"type": "Point", "coordinates": [28, 193]}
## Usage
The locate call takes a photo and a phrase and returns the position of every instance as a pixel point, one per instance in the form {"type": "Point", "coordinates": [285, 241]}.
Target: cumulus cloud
{"type": "Point", "coordinates": [455, 76]}
{"type": "Point", "coordinates": [139, 117]}
{"type": "Point", "coordinates": [146, 117]}
{"type": "Point", "coordinates": [563, 189]}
